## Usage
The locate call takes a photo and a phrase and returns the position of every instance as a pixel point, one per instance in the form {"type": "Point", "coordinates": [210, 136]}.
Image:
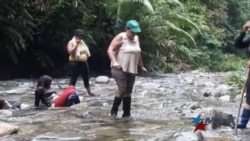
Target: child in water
{"type": "Point", "coordinates": [43, 92]}
{"type": "Point", "coordinates": [49, 97]}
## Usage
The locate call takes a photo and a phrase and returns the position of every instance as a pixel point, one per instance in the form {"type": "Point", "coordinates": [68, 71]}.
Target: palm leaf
{"type": "Point", "coordinates": [176, 31]}
{"type": "Point", "coordinates": [144, 2]}
{"type": "Point", "coordinates": [182, 21]}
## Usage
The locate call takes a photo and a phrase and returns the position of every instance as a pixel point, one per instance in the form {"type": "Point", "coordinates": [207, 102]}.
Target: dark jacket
{"type": "Point", "coordinates": [243, 42]}
{"type": "Point", "coordinates": [43, 95]}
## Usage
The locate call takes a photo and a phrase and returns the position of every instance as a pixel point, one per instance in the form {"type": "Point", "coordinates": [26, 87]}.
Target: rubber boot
{"type": "Point", "coordinates": [114, 110]}
{"type": "Point", "coordinates": [126, 108]}
{"type": "Point", "coordinates": [244, 118]}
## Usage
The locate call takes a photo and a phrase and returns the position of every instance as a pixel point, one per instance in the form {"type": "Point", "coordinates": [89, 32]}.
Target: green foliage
{"type": "Point", "coordinates": [197, 33]}
{"type": "Point", "coordinates": [227, 62]}
{"type": "Point", "coordinates": [237, 78]}
{"type": "Point", "coordinates": [16, 25]}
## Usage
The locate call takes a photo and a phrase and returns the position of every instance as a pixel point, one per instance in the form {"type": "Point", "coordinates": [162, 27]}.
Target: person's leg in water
{"type": "Point", "coordinates": [74, 72]}
{"type": "Point", "coordinates": [85, 77]}
{"type": "Point", "coordinates": [15, 104]}
{"type": "Point", "coordinates": [72, 100]}
{"type": "Point", "coordinates": [127, 96]}
{"type": "Point", "coordinates": [2, 103]}
{"type": "Point", "coordinates": [121, 82]}
{"type": "Point", "coordinates": [246, 110]}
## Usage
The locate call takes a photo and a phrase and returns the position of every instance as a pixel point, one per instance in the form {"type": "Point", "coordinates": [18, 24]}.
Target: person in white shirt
{"type": "Point", "coordinates": [125, 54]}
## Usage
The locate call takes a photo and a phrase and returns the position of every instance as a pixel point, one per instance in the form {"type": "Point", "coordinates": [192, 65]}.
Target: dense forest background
{"type": "Point", "coordinates": [176, 35]}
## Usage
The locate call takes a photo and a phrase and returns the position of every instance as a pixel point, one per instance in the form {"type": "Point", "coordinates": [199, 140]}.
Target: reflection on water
{"type": "Point", "coordinates": [160, 108]}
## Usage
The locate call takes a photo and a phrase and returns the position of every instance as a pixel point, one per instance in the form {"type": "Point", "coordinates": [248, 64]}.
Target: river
{"type": "Point", "coordinates": [162, 108]}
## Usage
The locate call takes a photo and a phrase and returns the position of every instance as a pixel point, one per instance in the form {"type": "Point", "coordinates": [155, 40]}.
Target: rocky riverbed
{"type": "Point", "coordinates": [163, 106]}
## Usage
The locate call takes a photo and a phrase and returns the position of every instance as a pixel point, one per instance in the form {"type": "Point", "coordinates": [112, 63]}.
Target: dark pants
{"type": "Point", "coordinates": [125, 82]}
{"type": "Point", "coordinates": [77, 68]}
{"type": "Point", "coordinates": [72, 99]}
{"type": "Point", "coordinates": [248, 92]}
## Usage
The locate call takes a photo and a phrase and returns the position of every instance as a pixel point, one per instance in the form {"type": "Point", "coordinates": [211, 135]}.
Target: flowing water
{"type": "Point", "coordinates": [161, 109]}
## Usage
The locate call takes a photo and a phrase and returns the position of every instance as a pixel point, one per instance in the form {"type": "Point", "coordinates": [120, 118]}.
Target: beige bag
{"type": "Point", "coordinates": [7, 129]}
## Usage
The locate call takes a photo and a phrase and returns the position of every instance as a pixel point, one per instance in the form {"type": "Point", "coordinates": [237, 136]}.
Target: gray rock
{"type": "Point", "coordinates": [102, 79]}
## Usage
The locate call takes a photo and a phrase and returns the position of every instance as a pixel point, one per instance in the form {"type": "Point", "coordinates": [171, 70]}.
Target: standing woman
{"type": "Point", "coordinates": [78, 55]}
{"type": "Point", "coordinates": [125, 54]}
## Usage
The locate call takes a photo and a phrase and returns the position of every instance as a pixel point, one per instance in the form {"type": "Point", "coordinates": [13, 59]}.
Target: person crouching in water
{"type": "Point", "coordinates": [43, 92]}
{"type": "Point", "coordinates": [67, 98]}
{"type": "Point", "coordinates": [243, 41]}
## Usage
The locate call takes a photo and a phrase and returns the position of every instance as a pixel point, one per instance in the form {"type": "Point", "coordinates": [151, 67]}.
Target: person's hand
{"type": "Point", "coordinates": [248, 63]}
{"type": "Point", "coordinates": [144, 70]}
{"type": "Point", "coordinates": [78, 40]}
{"type": "Point", "coordinates": [116, 65]}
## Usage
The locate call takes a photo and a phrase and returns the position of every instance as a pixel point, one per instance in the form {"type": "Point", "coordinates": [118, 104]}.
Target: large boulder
{"type": "Point", "coordinates": [7, 129]}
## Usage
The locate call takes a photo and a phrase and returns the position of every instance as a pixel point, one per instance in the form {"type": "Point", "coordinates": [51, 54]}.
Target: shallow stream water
{"type": "Point", "coordinates": [161, 110]}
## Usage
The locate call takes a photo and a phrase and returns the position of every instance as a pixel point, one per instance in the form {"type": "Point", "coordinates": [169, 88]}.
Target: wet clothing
{"type": "Point", "coordinates": [78, 63]}
{"type": "Point", "coordinates": [10, 104]}
{"type": "Point", "coordinates": [125, 82]}
{"type": "Point", "coordinates": [67, 98]}
{"type": "Point", "coordinates": [43, 95]}
{"type": "Point", "coordinates": [72, 100]}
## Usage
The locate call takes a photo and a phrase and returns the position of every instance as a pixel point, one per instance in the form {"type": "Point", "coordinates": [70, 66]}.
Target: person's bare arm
{"type": "Point", "coordinates": [114, 45]}
{"type": "Point", "coordinates": [140, 62]}
{"type": "Point", "coordinates": [141, 65]}
{"type": "Point", "coordinates": [71, 48]}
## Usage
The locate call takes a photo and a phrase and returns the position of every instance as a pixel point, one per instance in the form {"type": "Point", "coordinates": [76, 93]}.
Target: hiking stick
{"type": "Point", "coordinates": [242, 95]}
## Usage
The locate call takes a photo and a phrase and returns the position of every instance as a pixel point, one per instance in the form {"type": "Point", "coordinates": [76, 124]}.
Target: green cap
{"type": "Point", "coordinates": [133, 25]}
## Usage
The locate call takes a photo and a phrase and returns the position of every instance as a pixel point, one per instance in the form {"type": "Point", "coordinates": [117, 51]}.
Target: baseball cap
{"type": "Point", "coordinates": [133, 25]}
{"type": "Point", "coordinates": [78, 32]}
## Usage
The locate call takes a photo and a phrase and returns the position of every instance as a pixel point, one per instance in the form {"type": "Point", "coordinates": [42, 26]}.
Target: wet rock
{"type": "Point", "coordinates": [216, 118]}
{"type": "Point", "coordinates": [102, 79]}
{"type": "Point", "coordinates": [7, 129]}
{"type": "Point", "coordinates": [207, 94]}
{"type": "Point", "coordinates": [150, 85]}
{"type": "Point", "coordinates": [88, 114]}
{"type": "Point", "coordinates": [189, 80]}
{"type": "Point", "coordinates": [209, 84]}
{"type": "Point", "coordinates": [225, 98]}
{"type": "Point", "coordinates": [221, 90]}
{"type": "Point", "coordinates": [194, 107]}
